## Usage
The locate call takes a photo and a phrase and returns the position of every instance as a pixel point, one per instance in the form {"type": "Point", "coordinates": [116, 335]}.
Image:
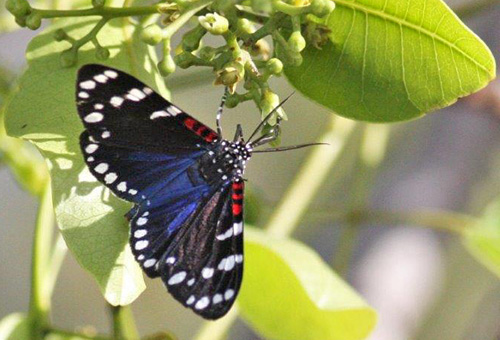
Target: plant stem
{"type": "Point", "coordinates": [40, 295]}
{"type": "Point", "coordinates": [109, 12]}
{"type": "Point", "coordinates": [60, 333]}
{"type": "Point", "coordinates": [123, 323]}
{"type": "Point", "coordinates": [444, 221]}
{"type": "Point", "coordinates": [290, 9]}
{"type": "Point", "coordinates": [452, 222]}
{"type": "Point", "coordinates": [183, 18]}
{"type": "Point", "coordinates": [56, 259]}
{"type": "Point", "coordinates": [370, 152]}
{"type": "Point", "coordinates": [307, 182]}
{"type": "Point", "coordinates": [89, 36]}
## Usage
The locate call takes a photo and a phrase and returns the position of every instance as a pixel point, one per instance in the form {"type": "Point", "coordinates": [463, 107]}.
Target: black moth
{"type": "Point", "coordinates": [185, 180]}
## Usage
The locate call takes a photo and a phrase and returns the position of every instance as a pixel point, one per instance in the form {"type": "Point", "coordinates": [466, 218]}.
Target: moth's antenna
{"type": "Point", "coordinates": [219, 112]}
{"type": "Point", "coordinates": [261, 124]}
{"type": "Point", "coordinates": [292, 147]}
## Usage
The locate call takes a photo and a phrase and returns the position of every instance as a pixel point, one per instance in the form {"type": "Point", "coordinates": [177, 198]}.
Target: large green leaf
{"type": "Point", "coordinates": [288, 292]}
{"type": "Point", "coordinates": [14, 327]}
{"type": "Point", "coordinates": [44, 112]}
{"type": "Point", "coordinates": [393, 60]}
{"type": "Point", "coordinates": [483, 240]}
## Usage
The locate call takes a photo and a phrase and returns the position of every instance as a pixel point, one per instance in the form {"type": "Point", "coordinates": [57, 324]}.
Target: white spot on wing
{"type": "Point", "coordinates": [140, 245]}
{"type": "Point", "coordinates": [116, 101]}
{"type": "Point", "coordinates": [170, 260]}
{"type": "Point", "coordinates": [83, 94]}
{"type": "Point", "coordinates": [158, 114]}
{"type": "Point", "coordinates": [98, 106]}
{"type": "Point", "coordinates": [137, 93]}
{"type": "Point", "coordinates": [105, 134]}
{"type": "Point", "coordinates": [122, 186]}
{"type": "Point", "coordinates": [94, 117]}
{"type": "Point", "coordinates": [101, 168]}
{"type": "Point", "coordinates": [190, 300]}
{"type": "Point", "coordinates": [110, 73]}
{"type": "Point", "coordinates": [141, 221]}
{"type": "Point", "coordinates": [91, 148]}
{"type": "Point", "coordinates": [101, 78]}
{"type": "Point", "coordinates": [190, 282]}
{"type": "Point", "coordinates": [87, 85]}
{"type": "Point", "coordinates": [207, 272]}
{"type": "Point", "coordinates": [140, 233]}
{"type": "Point", "coordinates": [202, 303]}
{"type": "Point", "coordinates": [140, 257]}
{"type": "Point", "coordinates": [228, 294]}
{"type": "Point", "coordinates": [217, 298]}
{"type": "Point", "coordinates": [238, 228]}
{"type": "Point", "coordinates": [150, 263]}
{"type": "Point", "coordinates": [238, 258]}
{"type": "Point", "coordinates": [174, 111]}
{"type": "Point", "coordinates": [147, 90]}
{"type": "Point", "coordinates": [110, 178]}
{"type": "Point", "coordinates": [132, 191]}
{"type": "Point", "coordinates": [176, 278]}
{"type": "Point", "coordinates": [225, 235]}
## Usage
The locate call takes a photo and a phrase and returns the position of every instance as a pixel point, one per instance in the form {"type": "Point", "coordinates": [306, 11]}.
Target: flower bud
{"type": "Point", "coordinates": [166, 66]}
{"type": "Point", "coordinates": [288, 56]}
{"type": "Point", "coordinates": [232, 101]}
{"type": "Point", "coordinates": [268, 103]}
{"type": "Point", "coordinates": [60, 35]}
{"type": "Point", "coordinates": [274, 66]}
{"type": "Point", "coordinates": [231, 74]}
{"type": "Point", "coordinates": [296, 41]}
{"type": "Point", "coordinates": [191, 39]}
{"type": "Point", "coordinates": [183, 60]}
{"type": "Point", "coordinates": [214, 23]}
{"type": "Point", "coordinates": [101, 53]}
{"type": "Point", "coordinates": [98, 3]}
{"type": "Point", "coordinates": [21, 21]}
{"type": "Point", "coordinates": [261, 49]}
{"type": "Point", "coordinates": [18, 8]}
{"type": "Point", "coordinates": [206, 53]}
{"type": "Point", "coordinates": [321, 8]}
{"type": "Point", "coordinates": [34, 21]}
{"type": "Point", "coordinates": [152, 34]}
{"type": "Point", "coordinates": [244, 26]}
{"type": "Point", "coordinates": [68, 57]}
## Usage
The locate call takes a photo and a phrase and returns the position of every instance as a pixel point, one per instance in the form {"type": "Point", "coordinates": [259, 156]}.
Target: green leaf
{"type": "Point", "coordinates": [483, 240]}
{"type": "Point", "coordinates": [393, 60]}
{"type": "Point", "coordinates": [14, 327]}
{"type": "Point", "coordinates": [288, 292]}
{"type": "Point", "coordinates": [44, 112]}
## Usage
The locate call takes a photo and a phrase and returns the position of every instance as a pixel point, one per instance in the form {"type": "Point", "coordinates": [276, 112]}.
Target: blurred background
{"type": "Point", "coordinates": [423, 283]}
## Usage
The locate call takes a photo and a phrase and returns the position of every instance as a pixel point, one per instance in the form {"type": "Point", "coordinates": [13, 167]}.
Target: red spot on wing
{"type": "Point", "coordinates": [236, 209]}
{"type": "Point", "coordinates": [200, 130]}
{"type": "Point", "coordinates": [189, 122]}
{"type": "Point", "coordinates": [237, 196]}
{"type": "Point", "coordinates": [237, 185]}
{"type": "Point", "coordinates": [211, 136]}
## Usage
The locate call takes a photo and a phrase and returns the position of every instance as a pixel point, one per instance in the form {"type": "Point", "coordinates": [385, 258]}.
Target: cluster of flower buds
{"type": "Point", "coordinates": [24, 14]}
{"type": "Point", "coordinates": [245, 59]}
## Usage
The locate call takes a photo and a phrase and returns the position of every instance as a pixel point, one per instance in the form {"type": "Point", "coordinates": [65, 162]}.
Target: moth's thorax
{"type": "Point", "coordinates": [225, 161]}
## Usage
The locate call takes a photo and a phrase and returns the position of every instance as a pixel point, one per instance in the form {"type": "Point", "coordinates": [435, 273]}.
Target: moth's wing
{"type": "Point", "coordinates": [135, 142]}
{"type": "Point", "coordinates": [200, 260]}
{"type": "Point", "coordinates": [118, 109]}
